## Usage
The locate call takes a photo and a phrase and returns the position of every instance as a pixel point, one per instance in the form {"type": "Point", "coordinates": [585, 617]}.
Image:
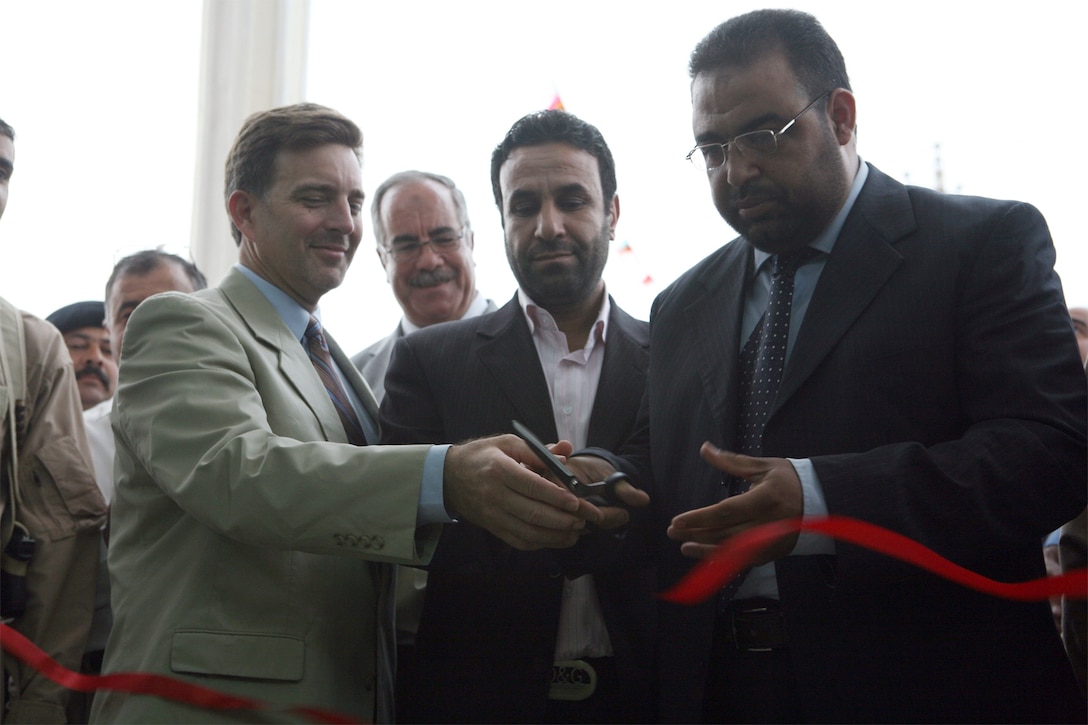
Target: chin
{"type": "Point", "coordinates": [776, 245]}
{"type": "Point", "coordinates": [772, 236]}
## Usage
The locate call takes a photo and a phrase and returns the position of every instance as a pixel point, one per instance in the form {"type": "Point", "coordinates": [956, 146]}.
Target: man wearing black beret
{"type": "Point", "coordinates": [84, 329]}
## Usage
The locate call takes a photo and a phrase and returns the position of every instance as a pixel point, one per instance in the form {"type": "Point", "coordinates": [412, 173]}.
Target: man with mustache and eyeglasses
{"type": "Point", "coordinates": [425, 243]}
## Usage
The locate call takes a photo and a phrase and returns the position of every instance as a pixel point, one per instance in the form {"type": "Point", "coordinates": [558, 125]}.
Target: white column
{"type": "Point", "coordinates": [253, 57]}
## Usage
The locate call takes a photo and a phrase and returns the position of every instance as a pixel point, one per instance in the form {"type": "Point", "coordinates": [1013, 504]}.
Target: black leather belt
{"type": "Point", "coordinates": [753, 625]}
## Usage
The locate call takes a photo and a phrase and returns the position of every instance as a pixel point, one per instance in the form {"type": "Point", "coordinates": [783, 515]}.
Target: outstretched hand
{"type": "Point", "coordinates": [775, 495]}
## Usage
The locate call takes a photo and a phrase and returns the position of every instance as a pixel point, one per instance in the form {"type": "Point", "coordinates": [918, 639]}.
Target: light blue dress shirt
{"type": "Point", "coordinates": [761, 581]}
{"type": "Point", "coordinates": [297, 319]}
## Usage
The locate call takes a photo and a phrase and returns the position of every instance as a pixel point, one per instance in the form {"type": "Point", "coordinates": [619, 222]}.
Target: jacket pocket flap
{"type": "Point", "coordinates": [57, 485]}
{"type": "Point", "coordinates": [231, 654]}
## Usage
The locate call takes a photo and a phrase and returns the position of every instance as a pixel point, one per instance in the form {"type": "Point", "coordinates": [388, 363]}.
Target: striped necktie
{"type": "Point", "coordinates": [318, 350]}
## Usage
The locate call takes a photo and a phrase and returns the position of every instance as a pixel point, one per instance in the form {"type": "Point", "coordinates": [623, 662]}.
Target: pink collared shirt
{"type": "Point", "coordinates": [572, 378]}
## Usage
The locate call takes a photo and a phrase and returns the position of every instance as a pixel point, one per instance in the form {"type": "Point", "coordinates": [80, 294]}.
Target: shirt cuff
{"type": "Point", "coordinates": [432, 509]}
{"type": "Point", "coordinates": [809, 543]}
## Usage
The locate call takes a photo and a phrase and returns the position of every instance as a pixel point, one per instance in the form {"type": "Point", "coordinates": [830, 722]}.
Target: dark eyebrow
{"type": "Point", "coordinates": [770, 120]}
{"type": "Point", "coordinates": [573, 189]}
{"type": "Point", "coordinates": [324, 189]}
{"type": "Point", "coordinates": [127, 307]}
{"type": "Point", "coordinates": [521, 194]}
{"type": "Point", "coordinates": [84, 336]}
{"type": "Point", "coordinates": [430, 233]}
{"type": "Point", "coordinates": [767, 121]}
{"type": "Point", "coordinates": [310, 189]}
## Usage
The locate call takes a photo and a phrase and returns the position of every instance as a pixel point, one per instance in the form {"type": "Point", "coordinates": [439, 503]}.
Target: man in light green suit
{"type": "Point", "coordinates": [251, 544]}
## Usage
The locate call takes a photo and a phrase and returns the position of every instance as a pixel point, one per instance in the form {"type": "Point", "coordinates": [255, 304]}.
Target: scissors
{"type": "Point", "coordinates": [598, 494]}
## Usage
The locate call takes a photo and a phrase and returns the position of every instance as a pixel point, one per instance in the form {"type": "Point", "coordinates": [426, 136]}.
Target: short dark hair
{"type": "Point", "coordinates": [143, 263]}
{"type": "Point", "coordinates": [407, 177]}
{"type": "Point", "coordinates": [251, 162]}
{"type": "Point", "coordinates": [6, 130]}
{"type": "Point", "coordinates": [741, 41]}
{"type": "Point", "coordinates": [545, 127]}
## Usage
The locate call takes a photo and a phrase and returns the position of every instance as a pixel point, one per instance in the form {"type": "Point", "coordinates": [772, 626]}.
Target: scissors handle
{"type": "Point", "coordinates": [602, 493]}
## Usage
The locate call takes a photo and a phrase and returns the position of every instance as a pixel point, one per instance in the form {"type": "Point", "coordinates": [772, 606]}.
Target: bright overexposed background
{"type": "Point", "coordinates": [103, 97]}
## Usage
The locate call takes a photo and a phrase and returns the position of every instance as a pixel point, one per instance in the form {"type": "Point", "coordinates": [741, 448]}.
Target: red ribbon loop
{"type": "Point", "coordinates": [737, 553]}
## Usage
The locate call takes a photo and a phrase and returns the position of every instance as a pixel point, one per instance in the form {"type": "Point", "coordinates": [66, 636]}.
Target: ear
{"type": "Point", "coordinates": [613, 215]}
{"type": "Point", "coordinates": [843, 114]}
{"type": "Point", "coordinates": [241, 206]}
{"type": "Point", "coordinates": [470, 240]}
{"type": "Point", "coordinates": [387, 262]}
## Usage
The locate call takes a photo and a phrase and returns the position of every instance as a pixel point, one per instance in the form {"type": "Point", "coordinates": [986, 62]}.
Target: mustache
{"type": "Point", "coordinates": [90, 370]}
{"type": "Point", "coordinates": [753, 190]}
{"type": "Point", "coordinates": [433, 277]}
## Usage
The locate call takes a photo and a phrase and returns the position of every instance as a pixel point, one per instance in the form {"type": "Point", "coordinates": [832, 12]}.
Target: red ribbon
{"type": "Point", "coordinates": [140, 683]}
{"type": "Point", "coordinates": [702, 582]}
{"type": "Point", "coordinates": [737, 553]}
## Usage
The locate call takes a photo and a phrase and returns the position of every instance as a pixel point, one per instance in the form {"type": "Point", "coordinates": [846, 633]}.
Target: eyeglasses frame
{"type": "Point", "coordinates": [774, 134]}
{"type": "Point", "coordinates": [401, 258]}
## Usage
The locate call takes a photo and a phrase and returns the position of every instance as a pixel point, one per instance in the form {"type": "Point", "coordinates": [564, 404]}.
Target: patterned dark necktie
{"type": "Point", "coordinates": [760, 368]}
{"type": "Point", "coordinates": [764, 355]}
{"type": "Point", "coordinates": [318, 349]}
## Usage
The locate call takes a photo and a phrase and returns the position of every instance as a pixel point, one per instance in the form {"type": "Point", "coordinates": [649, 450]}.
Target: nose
{"type": "Point", "coordinates": [428, 258]}
{"type": "Point", "coordinates": [95, 356]}
{"type": "Point", "coordinates": [341, 217]}
{"type": "Point", "coordinates": [549, 222]}
{"type": "Point", "coordinates": [739, 169]}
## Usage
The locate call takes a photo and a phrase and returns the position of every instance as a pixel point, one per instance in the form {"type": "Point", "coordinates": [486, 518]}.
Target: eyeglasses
{"type": "Point", "coordinates": [752, 144]}
{"type": "Point", "coordinates": [409, 251]}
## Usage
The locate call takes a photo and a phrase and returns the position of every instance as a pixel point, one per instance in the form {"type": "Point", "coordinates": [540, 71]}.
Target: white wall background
{"type": "Point", "coordinates": [103, 99]}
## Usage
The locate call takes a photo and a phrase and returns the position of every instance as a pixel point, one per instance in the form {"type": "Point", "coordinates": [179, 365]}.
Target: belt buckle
{"type": "Point", "coordinates": [572, 680]}
{"type": "Point", "coordinates": [733, 627]}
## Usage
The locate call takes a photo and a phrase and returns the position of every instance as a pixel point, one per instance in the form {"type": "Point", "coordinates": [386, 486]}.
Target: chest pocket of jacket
{"type": "Point", "coordinates": [235, 654]}
{"type": "Point", "coordinates": [60, 497]}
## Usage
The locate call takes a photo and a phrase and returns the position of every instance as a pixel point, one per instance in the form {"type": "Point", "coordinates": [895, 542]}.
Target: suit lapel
{"type": "Point", "coordinates": [714, 332]}
{"type": "Point", "coordinates": [860, 264]}
{"type": "Point", "coordinates": [620, 389]}
{"type": "Point", "coordinates": [505, 347]}
{"type": "Point", "coordinates": [294, 364]}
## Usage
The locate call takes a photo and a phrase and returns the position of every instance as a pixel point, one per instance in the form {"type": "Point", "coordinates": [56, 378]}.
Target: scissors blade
{"type": "Point", "coordinates": [564, 474]}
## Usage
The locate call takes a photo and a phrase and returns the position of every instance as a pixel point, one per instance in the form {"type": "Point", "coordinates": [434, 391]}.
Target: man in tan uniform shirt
{"type": "Point", "coordinates": [55, 501]}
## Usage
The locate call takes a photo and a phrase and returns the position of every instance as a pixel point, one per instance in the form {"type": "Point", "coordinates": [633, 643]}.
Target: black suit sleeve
{"type": "Point", "coordinates": [408, 410]}
{"type": "Point", "coordinates": [1018, 467]}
